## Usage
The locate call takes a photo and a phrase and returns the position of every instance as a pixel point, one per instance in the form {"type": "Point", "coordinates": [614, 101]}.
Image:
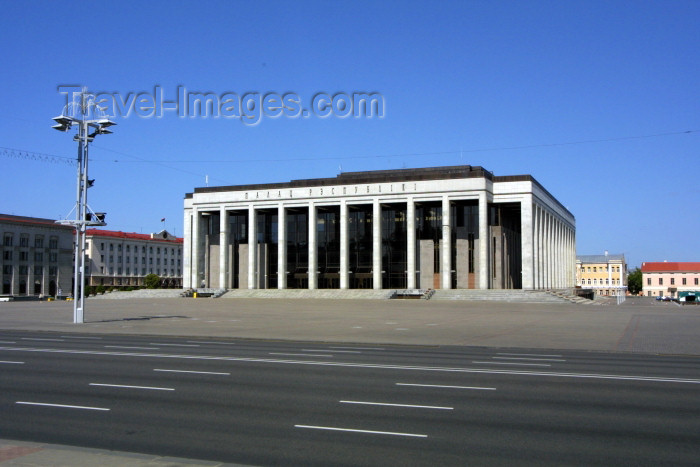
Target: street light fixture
{"type": "Point", "coordinates": [85, 113]}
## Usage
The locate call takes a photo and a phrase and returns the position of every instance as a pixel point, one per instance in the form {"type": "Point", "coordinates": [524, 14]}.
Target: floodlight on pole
{"type": "Point", "coordinates": [85, 113]}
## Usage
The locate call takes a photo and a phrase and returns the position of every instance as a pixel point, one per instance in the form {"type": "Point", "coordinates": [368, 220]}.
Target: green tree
{"type": "Point", "coordinates": [152, 281]}
{"type": "Point", "coordinates": [634, 281]}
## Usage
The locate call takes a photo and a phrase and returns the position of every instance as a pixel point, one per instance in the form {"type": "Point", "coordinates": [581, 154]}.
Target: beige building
{"type": "Point", "coordinates": [118, 259]}
{"type": "Point", "coordinates": [604, 274]}
{"type": "Point", "coordinates": [667, 279]}
{"type": "Point", "coordinates": [37, 257]}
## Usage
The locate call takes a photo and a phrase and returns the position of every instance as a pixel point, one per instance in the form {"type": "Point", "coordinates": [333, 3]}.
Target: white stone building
{"type": "Point", "coordinates": [441, 227]}
{"type": "Point", "coordinates": [122, 259]}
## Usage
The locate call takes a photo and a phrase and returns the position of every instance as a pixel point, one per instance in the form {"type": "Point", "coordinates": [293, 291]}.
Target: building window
{"type": "Point", "coordinates": [150, 250]}
{"type": "Point", "coordinates": [102, 246]}
{"type": "Point", "coordinates": [38, 242]}
{"type": "Point", "coordinates": [38, 256]}
{"type": "Point", "coordinates": [7, 255]}
{"type": "Point", "coordinates": [24, 256]}
{"type": "Point", "coordinates": [7, 269]}
{"type": "Point", "coordinates": [24, 240]}
{"type": "Point", "coordinates": [8, 239]}
{"type": "Point", "coordinates": [158, 250]}
{"type": "Point", "coordinates": [119, 259]}
{"type": "Point", "coordinates": [23, 270]}
{"type": "Point", "coordinates": [111, 270]}
{"type": "Point", "coordinates": [673, 281]}
{"type": "Point", "coordinates": [53, 242]}
{"type": "Point", "coordinates": [143, 250]}
{"type": "Point", "coordinates": [128, 249]}
{"type": "Point", "coordinates": [52, 270]}
{"type": "Point", "coordinates": [38, 270]}
{"type": "Point", "coordinates": [594, 269]}
{"type": "Point", "coordinates": [128, 259]}
{"type": "Point", "coordinates": [661, 281]}
{"type": "Point", "coordinates": [684, 281]}
{"type": "Point", "coordinates": [143, 260]}
{"type": "Point", "coordinates": [648, 280]}
{"type": "Point", "coordinates": [696, 281]}
{"type": "Point", "coordinates": [111, 258]}
{"type": "Point", "coordinates": [119, 271]}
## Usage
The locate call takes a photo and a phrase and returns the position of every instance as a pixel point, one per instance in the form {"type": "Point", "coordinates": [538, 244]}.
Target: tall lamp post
{"type": "Point", "coordinates": [83, 112]}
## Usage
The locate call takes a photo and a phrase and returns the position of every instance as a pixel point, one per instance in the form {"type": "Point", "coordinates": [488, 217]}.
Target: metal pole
{"type": "Point", "coordinates": [77, 311]}
{"type": "Point", "coordinates": [83, 226]}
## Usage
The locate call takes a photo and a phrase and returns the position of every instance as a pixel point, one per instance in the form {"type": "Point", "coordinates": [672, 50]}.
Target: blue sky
{"type": "Point", "coordinates": [598, 100]}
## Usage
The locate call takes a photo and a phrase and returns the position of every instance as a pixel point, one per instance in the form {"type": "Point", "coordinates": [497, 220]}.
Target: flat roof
{"type": "Point", "coordinates": [384, 176]}
{"type": "Point", "coordinates": [33, 220]}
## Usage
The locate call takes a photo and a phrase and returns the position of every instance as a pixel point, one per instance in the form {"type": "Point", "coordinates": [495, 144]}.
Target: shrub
{"type": "Point", "coordinates": [100, 289]}
{"type": "Point", "coordinates": [151, 281]}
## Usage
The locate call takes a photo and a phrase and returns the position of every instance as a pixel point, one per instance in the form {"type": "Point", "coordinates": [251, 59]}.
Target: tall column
{"type": "Point", "coordinates": [376, 244]}
{"type": "Point", "coordinates": [527, 233]}
{"type": "Point", "coordinates": [446, 246]}
{"type": "Point", "coordinates": [186, 252]}
{"type": "Point", "coordinates": [344, 246]}
{"type": "Point", "coordinates": [313, 248]}
{"type": "Point", "coordinates": [252, 246]}
{"type": "Point", "coordinates": [281, 247]}
{"type": "Point", "coordinates": [410, 244]}
{"type": "Point", "coordinates": [223, 247]}
{"type": "Point", "coordinates": [483, 241]}
{"type": "Point", "coordinates": [547, 240]}
{"type": "Point", "coordinates": [196, 251]}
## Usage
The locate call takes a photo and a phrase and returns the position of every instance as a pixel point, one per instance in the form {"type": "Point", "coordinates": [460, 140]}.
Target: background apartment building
{"type": "Point", "coordinates": [37, 257]}
{"type": "Point", "coordinates": [667, 279]}
{"type": "Point", "coordinates": [604, 274]}
{"type": "Point", "coordinates": [126, 258]}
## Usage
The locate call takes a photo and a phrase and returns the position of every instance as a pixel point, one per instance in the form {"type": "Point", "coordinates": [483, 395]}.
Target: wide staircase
{"type": "Point", "coordinates": [521, 296]}
{"type": "Point", "coordinates": [328, 294]}
{"type": "Point", "coordinates": [511, 295]}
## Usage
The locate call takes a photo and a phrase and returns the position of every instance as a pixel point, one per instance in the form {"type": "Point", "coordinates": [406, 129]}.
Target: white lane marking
{"type": "Point", "coordinates": [301, 354]}
{"type": "Point", "coordinates": [8, 342]}
{"type": "Point", "coordinates": [174, 345]}
{"type": "Point", "coordinates": [531, 359]}
{"type": "Point", "coordinates": [528, 354]}
{"type": "Point", "coordinates": [353, 430]}
{"type": "Point", "coordinates": [193, 372]}
{"type": "Point", "coordinates": [212, 342]}
{"type": "Point", "coordinates": [61, 405]}
{"type": "Point", "coordinates": [11, 363]}
{"type": "Point", "coordinates": [328, 350]}
{"type": "Point", "coordinates": [40, 339]}
{"type": "Point", "coordinates": [513, 363]}
{"type": "Point", "coordinates": [124, 386]}
{"type": "Point", "coordinates": [488, 371]}
{"type": "Point", "coordinates": [445, 386]}
{"type": "Point", "coordinates": [386, 404]}
{"type": "Point", "coordinates": [81, 337]}
{"type": "Point", "coordinates": [129, 347]}
{"type": "Point", "coordinates": [358, 348]}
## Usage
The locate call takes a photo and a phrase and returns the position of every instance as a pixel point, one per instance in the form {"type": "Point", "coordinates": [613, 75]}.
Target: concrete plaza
{"type": "Point", "coordinates": [638, 325]}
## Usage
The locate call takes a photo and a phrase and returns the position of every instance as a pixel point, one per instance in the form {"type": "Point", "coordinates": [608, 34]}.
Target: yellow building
{"type": "Point", "coordinates": [604, 274]}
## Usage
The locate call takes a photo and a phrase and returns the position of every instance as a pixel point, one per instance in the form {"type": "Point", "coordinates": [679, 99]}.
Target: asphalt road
{"type": "Point", "coordinates": [311, 403]}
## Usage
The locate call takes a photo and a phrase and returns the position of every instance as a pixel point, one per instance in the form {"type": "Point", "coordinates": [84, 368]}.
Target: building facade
{"type": "Point", "coordinates": [604, 274]}
{"type": "Point", "coordinates": [442, 227]}
{"type": "Point", "coordinates": [667, 279]}
{"type": "Point", "coordinates": [37, 257]}
{"type": "Point", "coordinates": [124, 259]}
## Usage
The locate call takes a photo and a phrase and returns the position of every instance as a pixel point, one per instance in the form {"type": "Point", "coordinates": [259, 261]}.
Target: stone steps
{"type": "Point", "coordinates": [328, 294]}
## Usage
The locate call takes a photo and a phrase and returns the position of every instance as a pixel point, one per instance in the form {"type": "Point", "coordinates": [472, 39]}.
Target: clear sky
{"type": "Point", "coordinates": [598, 100]}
